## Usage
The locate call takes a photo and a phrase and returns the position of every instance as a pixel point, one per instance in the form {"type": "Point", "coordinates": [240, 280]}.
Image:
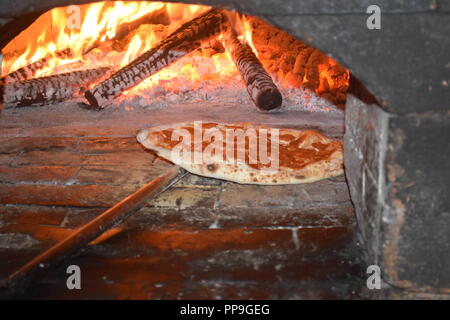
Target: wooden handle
{"type": "Point", "coordinates": [19, 280]}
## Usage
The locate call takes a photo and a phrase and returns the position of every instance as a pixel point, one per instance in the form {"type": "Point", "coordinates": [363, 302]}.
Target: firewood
{"type": "Point", "coordinates": [30, 70]}
{"type": "Point", "coordinates": [159, 16]}
{"type": "Point", "coordinates": [184, 40]}
{"type": "Point", "coordinates": [50, 89]}
{"type": "Point", "coordinates": [260, 86]}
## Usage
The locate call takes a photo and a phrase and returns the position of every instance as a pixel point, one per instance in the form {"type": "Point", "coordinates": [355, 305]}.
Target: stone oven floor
{"type": "Point", "coordinates": [202, 239]}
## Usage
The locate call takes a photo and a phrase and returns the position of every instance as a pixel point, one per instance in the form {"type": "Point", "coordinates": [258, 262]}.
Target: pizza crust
{"type": "Point", "coordinates": [305, 156]}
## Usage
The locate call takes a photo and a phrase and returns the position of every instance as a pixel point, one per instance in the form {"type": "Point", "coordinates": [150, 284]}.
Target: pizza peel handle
{"type": "Point", "coordinates": [19, 280]}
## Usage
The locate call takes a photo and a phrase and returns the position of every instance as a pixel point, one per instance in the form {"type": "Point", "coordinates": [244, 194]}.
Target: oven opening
{"type": "Point", "coordinates": [92, 97]}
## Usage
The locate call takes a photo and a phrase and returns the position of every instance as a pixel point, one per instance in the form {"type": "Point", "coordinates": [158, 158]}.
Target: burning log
{"type": "Point", "coordinates": [155, 17]}
{"type": "Point", "coordinates": [260, 86]}
{"type": "Point", "coordinates": [184, 40]}
{"type": "Point", "coordinates": [30, 70]}
{"type": "Point", "coordinates": [143, 31]}
{"type": "Point", "coordinates": [50, 89]}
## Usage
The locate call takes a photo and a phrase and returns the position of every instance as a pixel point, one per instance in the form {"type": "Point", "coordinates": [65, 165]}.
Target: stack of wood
{"type": "Point", "coordinates": [189, 37]}
{"type": "Point", "coordinates": [296, 64]}
{"type": "Point", "coordinates": [20, 88]}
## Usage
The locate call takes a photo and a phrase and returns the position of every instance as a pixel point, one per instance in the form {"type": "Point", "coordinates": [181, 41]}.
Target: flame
{"type": "Point", "coordinates": [99, 24]}
{"type": "Point", "coordinates": [134, 48]}
{"type": "Point", "coordinates": [248, 34]}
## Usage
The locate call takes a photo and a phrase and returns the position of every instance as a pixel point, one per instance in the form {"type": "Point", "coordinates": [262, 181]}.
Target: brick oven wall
{"type": "Point", "coordinates": [397, 155]}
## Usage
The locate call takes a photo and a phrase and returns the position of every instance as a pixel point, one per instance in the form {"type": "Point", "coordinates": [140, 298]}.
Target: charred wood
{"type": "Point", "coordinates": [260, 86]}
{"type": "Point", "coordinates": [50, 89]}
{"type": "Point", "coordinates": [30, 70]}
{"type": "Point", "coordinates": [184, 40]}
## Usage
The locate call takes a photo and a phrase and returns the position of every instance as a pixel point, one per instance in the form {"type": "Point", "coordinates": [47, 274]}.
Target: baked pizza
{"type": "Point", "coordinates": [247, 153]}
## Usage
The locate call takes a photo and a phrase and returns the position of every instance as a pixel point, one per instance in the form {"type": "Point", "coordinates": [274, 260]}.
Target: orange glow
{"type": "Point", "coordinates": [99, 23]}
{"type": "Point", "coordinates": [247, 34]}
{"type": "Point", "coordinates": [99, 20]}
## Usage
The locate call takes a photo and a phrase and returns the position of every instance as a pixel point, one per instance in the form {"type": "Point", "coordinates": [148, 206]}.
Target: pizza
{"type": "Point", "coordinates": [247, 153]}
